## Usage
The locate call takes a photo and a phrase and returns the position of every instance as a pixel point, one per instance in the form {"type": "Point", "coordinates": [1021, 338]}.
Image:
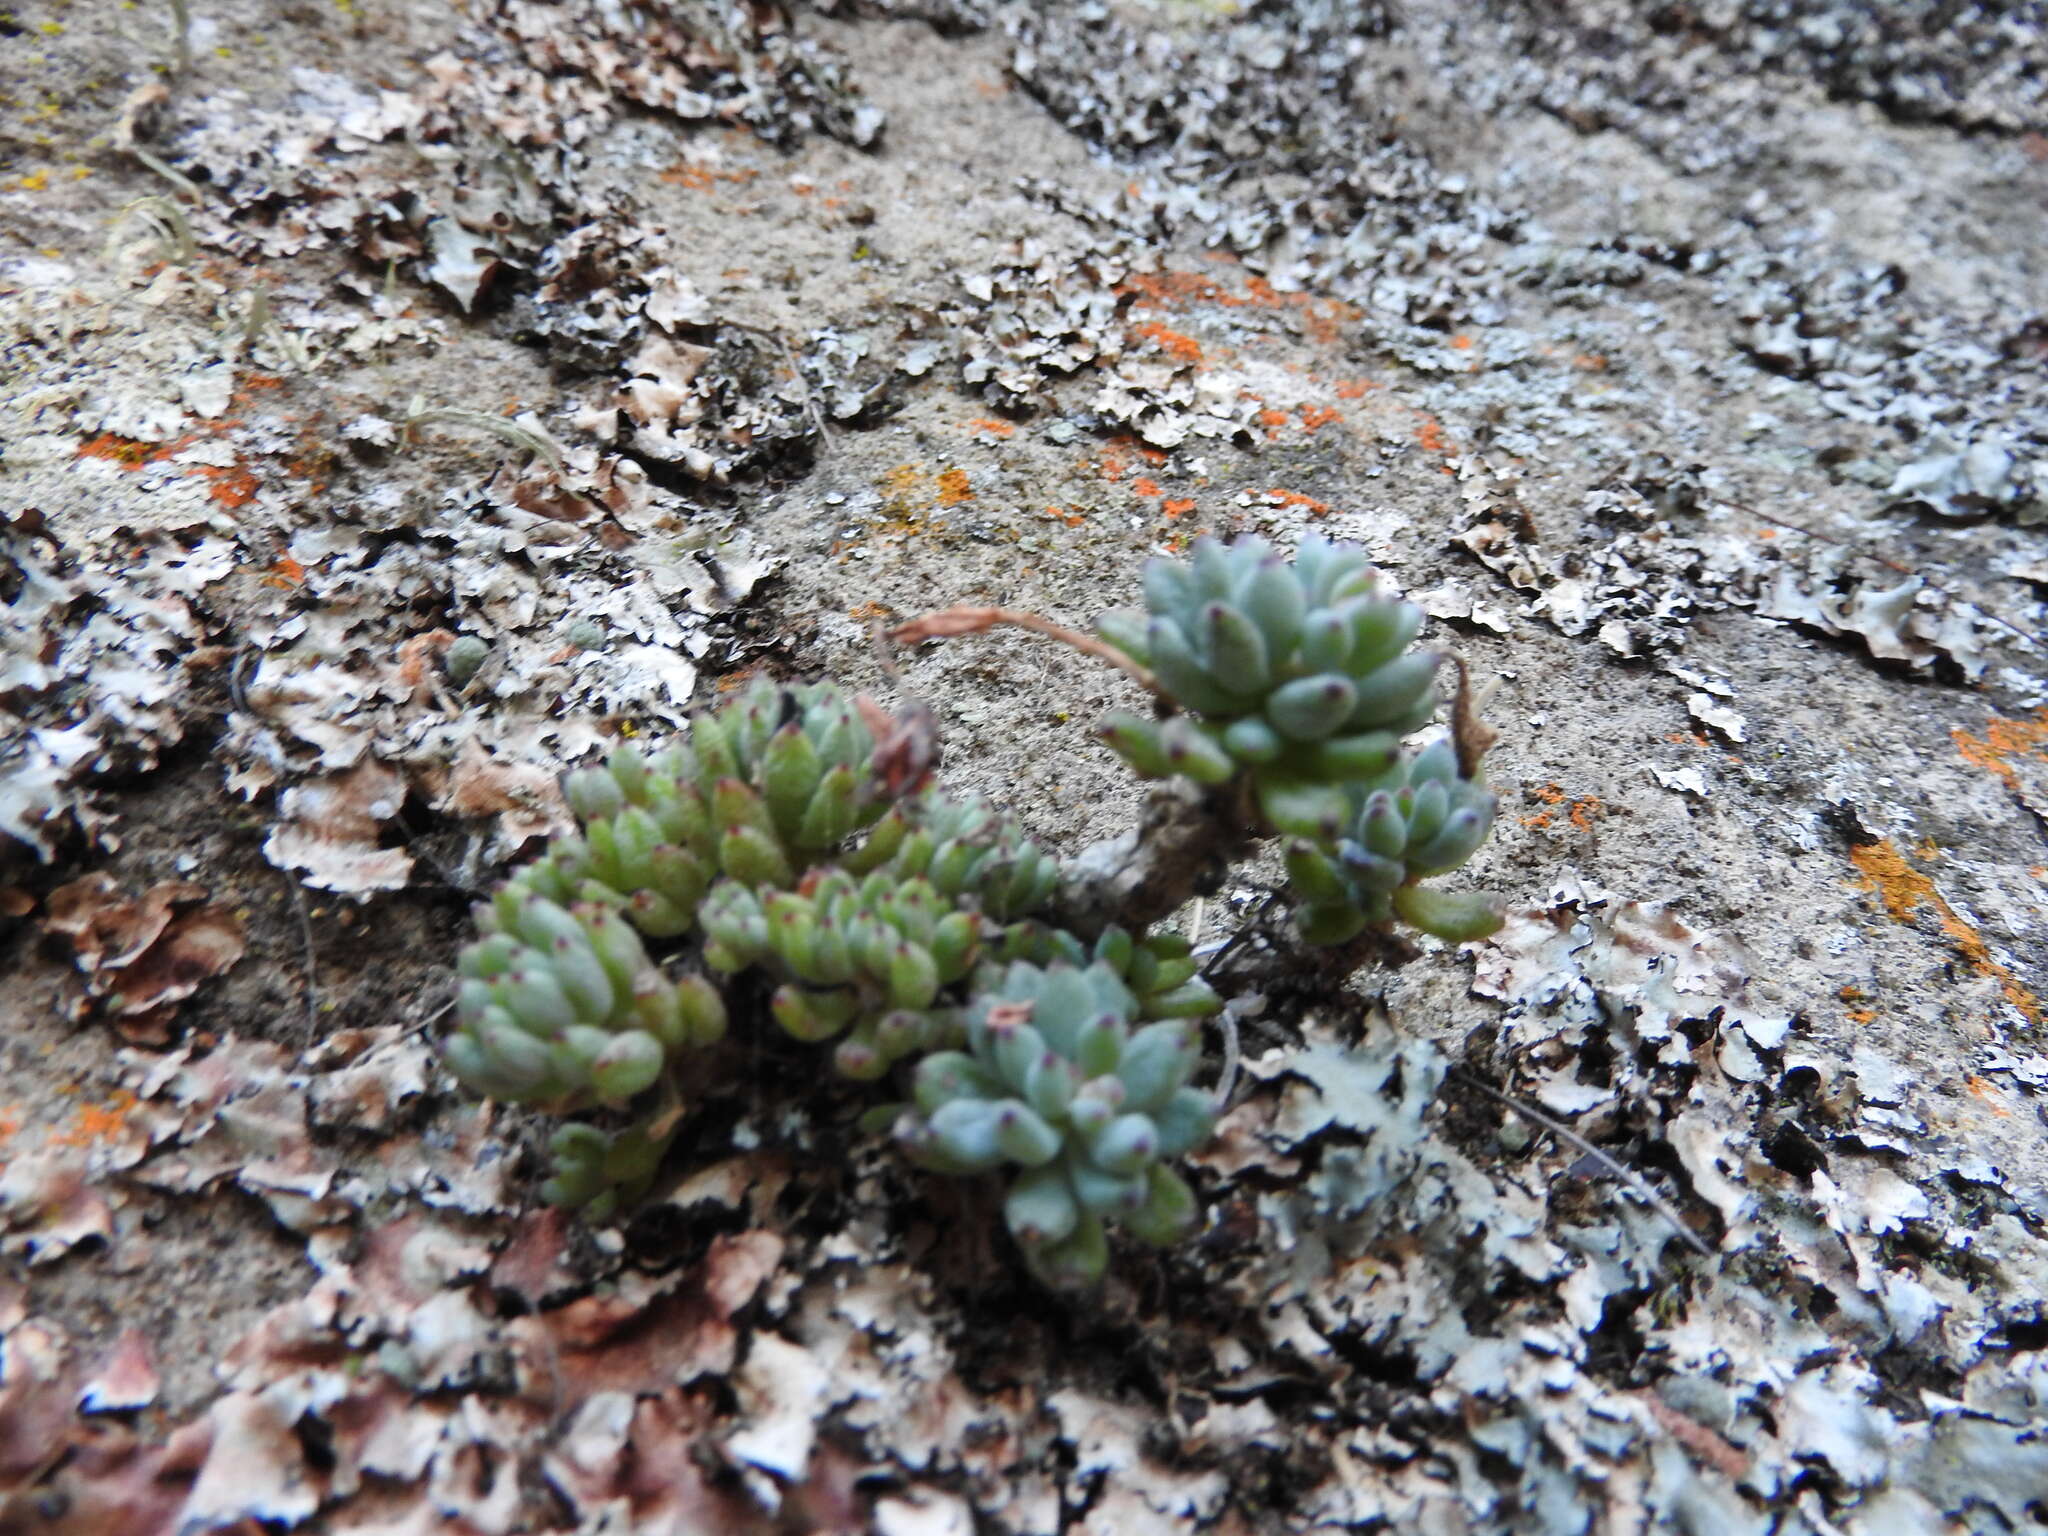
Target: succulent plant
{"type": "Point", "coordinates": [1417, 818]}
{"type": "Point", "coordinates": [1055, 1080]}
{"type": "Point", "coordinates": [561, 1006]}
{"type": "Point", "coordinates": [598, 1171]}
{"type": "Point", "coordinates": [969, 851]}
{"type": "Point", "coordinates": [893, 921]}
{"type": "Point", "coordinates": [865, 958]}
{"type": "Point", "coordinates": [1298, 678]}
{"type": "Point", "coordinates": [759, 791]}
{"type": "Point", "coordinates": [1298, 672]}
{"type": "Point", "coordinates": [1159, 968]}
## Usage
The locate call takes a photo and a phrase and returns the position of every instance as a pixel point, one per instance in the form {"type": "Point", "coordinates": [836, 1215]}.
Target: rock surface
{"type": "Point", "coordinates": [402, 401]}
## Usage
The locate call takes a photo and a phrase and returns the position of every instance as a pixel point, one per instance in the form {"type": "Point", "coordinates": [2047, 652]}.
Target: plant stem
{"type": "Point", "coordinates": [181, 19]}
{"type": "Point", "coordinates": [964, 620]}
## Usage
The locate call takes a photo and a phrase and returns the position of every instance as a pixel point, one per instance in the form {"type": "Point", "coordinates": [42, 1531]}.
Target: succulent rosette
{"type": "Point", "coordinates": [1159, 967]}
{"type": "Point", "coordinates": [1418, 818]}
{"type": "Point", "coordinates": [561, 1006]}
{"type": "Point", "coordinates": [863, 958]}
{"type": "Point", "coordinates": [1297, 676]}
{"type": "Point", "coordinates": [598, 1171]}
{"type": "Point", "coordinates": [758, 792]}
{"type": "Point", "coordinates": [1297, 672]}
{"type": "Point", "coordinates": [1058, 1080]}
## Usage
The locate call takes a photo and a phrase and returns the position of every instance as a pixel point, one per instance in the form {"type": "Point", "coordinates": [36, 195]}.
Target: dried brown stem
{"type": "Point", "coordinates": [1186, 841]}
{"type": "Point", "coordinates": [1471, 735]}
{"type": "Point", "coordinates": [948, 623]}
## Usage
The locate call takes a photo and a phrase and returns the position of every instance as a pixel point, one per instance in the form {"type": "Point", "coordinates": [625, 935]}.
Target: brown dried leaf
{"type": "Point", "coordinates": [107, 929]}
{"type": "Point", "coordinates": [48, 1207]}
{"type": "Point", "coordinates": [125, 1380]}
{"type": "Point", "coordinates": [332, 829]}
{"type": "Point", "coordinates": [525, 797]}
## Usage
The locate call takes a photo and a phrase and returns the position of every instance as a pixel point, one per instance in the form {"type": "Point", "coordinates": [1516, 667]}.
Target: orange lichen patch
{"type": "Point", "coordinates": [865, 611]}
{"type": "Point", "coordinates": [1850, 992]}
{"type": "Point", "coordinates": [1592, 362]}
{"type": "Point", "coordinates": [700, 178]}
{"type": "Point", "coordinates": [1901, 887]}
{"type": "Point", "coordinates": [2002, 741]}
{"type": "Point", "coordinates": [1431, 436]}
{"type": "Point", "coordinates": [902, 480]}
{"type": "Point", "coordinates": [1173, 289]}
{"type": "Point", "coordinates": [1353, 389]}
{"type": "Point", "coordinates": [992, 426]}
{"type": "Point", "coordinates": [233, 485]}
{"type": "Point", "coordinates": [284, 574]}
{"type": "Point", "coordinates": [1884, 872]}
{"type": "Point", "coordinates": [1462, 343]}
{"type": "Point", "coordinates": [126, 451]}
{"type": "Point", "coordinates": [1178, 508]}
{"type": "Point", "coordinates": [10, 1124]}
{"type": "Point", "coordinates": [1116, 455]}
{"type": "Point", "coordinates": [1280, 498]}
{"type": "Point", "coordinates": [1861, 1015]}
{"type": "Point", "coordinates": [1323, 319]}
{"type": "Point", "coordinates": [1272, 420]}
{"type": "Point", "coordinates": [953, 488]}
{"type": "Point", "coordinates": [1173, 343]}
{"type": "Point", "coordinates": [1314, 417]}
{"type": "Point", "coordinates": [1767, 533]}
{"type": "Point", "coordinates": [1579, 812]}
{"type": "Point", "coordinates": [1070, 517]}
{"type": "Point", "coordinates": [1989, 1093]}
{"type": "Point", "coordinates": [1145, 485]}
{"type": "Point", "coordinates": [95, 1123]}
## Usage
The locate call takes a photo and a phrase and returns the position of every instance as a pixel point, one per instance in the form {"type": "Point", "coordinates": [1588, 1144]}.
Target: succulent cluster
{"type": "Point", "coordinates": [778, 838]}
{"type": "Point", "coordinates": [782, 837]}
{"type": "Point", "coordinates": [1286, 663]}
{"type": "Point", "coordinates": [600, 1171]}
{"type": "Point", "coordinates": [871, 954]}
{"type": "Point", "coordinates": [562, 1006]}
{"type": "Point", "coordinates": [756, 793]}
{"type": "Point", "coordinates": [1297, 676]}
{"type": "Point", "coordinates": [1056, 1080]}
{"type": "Point", "coordinates": [1159, 968]}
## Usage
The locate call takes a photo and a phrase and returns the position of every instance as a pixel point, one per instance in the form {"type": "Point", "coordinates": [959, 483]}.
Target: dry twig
{"type": "Point", "coordinates": [1628, 1176]}
{"type": "Point", "coordinates": [312, 956]}
{"type": "Point", "coordinates": [949, 623]}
